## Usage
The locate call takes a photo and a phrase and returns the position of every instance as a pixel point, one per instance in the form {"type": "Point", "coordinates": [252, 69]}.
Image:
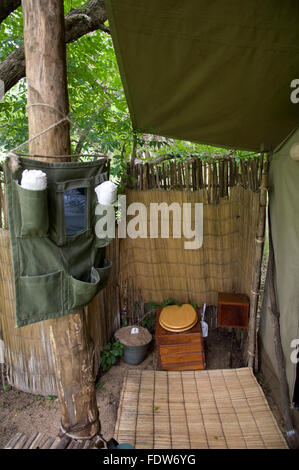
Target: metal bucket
{"type": "Point", "coordinates": [135, 354]}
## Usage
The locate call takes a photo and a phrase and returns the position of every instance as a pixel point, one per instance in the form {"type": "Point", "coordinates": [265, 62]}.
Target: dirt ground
{"type": "Point", "coordinates": [26, 413]}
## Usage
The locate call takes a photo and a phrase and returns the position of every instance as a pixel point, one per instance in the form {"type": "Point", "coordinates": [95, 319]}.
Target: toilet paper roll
{"type": "Point", "coordinates": [34, 179]}
{"type": "Point", "coordinates": [106, 193]}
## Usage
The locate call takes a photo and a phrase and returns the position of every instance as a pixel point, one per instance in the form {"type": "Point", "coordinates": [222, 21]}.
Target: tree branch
{"type": "Point", "coordinates": [7, 7]}
{"type": "Point", "coordinates": [78, 22]}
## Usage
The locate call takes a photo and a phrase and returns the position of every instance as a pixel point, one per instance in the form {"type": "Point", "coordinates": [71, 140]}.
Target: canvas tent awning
{"type": "Point", "coordinates": [215, 72]}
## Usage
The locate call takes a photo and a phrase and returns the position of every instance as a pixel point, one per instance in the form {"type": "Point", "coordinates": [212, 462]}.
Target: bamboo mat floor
{"type": "Point", "coordinates": [209, 409]}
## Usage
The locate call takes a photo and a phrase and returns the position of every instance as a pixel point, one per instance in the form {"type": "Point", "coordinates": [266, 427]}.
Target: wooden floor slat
{"type": "Point", "coordinates": [30, 440]}
{"type": "Point", "coordinates": [21, 442]}
{"type": "Point", "coordinates": [43, 441]}
{"type": "Point", "coordinates": [13, 441]}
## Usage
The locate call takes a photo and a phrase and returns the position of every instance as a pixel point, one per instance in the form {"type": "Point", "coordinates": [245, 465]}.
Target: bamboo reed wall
{"type": "Point", "coordinates": [147, 270]}
{"type": "Point", "coordinates": [161, 268]}
{"type": "Point", "coordinates": [155, 269]}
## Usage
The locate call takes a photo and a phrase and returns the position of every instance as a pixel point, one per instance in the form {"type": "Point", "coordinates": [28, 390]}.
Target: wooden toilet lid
{"type": "Point", "coordinates": [178, 318]}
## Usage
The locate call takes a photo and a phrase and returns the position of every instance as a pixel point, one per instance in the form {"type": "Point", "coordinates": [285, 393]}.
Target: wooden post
{"type": "Point", "coordinates": [259, 248]}
{"type": "Point", "coordinates": [2, 363]}
{"type": "Point", "coordinates": [47, 83]}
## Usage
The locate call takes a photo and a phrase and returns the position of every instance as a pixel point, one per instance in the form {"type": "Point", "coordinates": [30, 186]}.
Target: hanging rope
{"type": "Point", "coordinates": [13, 155]}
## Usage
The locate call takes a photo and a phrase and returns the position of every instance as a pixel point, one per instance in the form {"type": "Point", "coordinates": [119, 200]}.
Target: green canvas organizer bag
{"type": "Point", "coordinates": [59, 264]}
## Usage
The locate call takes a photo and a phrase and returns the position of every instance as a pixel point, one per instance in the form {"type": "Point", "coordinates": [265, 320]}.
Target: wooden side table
{"type": "Point", "coordinates": [233, 310]}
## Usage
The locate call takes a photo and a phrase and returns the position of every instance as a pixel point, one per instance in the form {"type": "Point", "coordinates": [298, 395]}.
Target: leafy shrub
{"type": "Point", "coordinates": [111, 352]}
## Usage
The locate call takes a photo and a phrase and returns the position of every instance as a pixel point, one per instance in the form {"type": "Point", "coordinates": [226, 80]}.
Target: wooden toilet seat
{"type": "Point", "coordinates": [177, 318]}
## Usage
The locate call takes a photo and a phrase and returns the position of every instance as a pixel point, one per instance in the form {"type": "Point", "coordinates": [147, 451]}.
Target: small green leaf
{"type": "Point", "coordinates": [101, 387]}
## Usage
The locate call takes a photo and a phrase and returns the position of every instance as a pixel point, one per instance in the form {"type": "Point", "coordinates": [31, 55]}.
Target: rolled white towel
{"type": "Point", "coordinates": [106, 193]}
{"type": "Point", "coordinates": [34, 179]}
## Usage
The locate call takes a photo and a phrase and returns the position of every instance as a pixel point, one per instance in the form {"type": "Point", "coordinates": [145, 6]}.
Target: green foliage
{"type": "Point", "coordinates": [111, 352]}
{"type": "Point", "coordinates": [96, 96]}
{"type": "Point", "coordinates": [170, 301]}
{"type": "Point", "coordinates": [13, 121]}
{"type": "Point", "coordinates": [149, 322]}
{"type": "Point", "coordinates": [184, 150]}
{"type": "Point", "coordinates": [149, 319]}
{"type": "Point", "coordinates": [51, 397]}
{"type": "Point", "coordinates": [11, 33]}
{"type": "Point", "coordinates": [100, 386]}
{"type": "Point", "coordinates": [151, 306]}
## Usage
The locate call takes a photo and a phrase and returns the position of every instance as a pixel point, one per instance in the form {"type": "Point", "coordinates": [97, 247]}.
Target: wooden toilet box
{"type": "Point", "coordinates": [179, 350]}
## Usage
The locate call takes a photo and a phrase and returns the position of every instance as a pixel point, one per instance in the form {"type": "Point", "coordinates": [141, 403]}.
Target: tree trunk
{"type": "Point", "coordinates": [47, 83]}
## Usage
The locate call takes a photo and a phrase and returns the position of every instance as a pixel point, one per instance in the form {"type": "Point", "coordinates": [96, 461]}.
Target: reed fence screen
{"type": "Point", "coordinates": [160, 268]}
{"type": "Point", "coordinates": [145, 269]}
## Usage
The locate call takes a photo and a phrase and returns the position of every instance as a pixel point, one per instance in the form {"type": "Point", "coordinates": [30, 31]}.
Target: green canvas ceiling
{"type": "Point", "coordinates": [210, 71]}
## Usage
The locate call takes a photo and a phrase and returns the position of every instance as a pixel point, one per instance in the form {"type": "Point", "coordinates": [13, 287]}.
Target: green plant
{"type": "Point", "coordinates": [111, 352]}
{"type": "Point", "coordinates": [100, 386]}
{"type": "Point", "coordinates": [51, 397]}
{"type": "Point", "coordinates": [149, 319]}
{"type": "Point", "coordinates": [149, 322]}
{"type": "Point", "coordinates": [170, 301]}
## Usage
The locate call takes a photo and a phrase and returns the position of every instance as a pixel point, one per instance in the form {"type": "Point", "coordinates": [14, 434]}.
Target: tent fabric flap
{"type": "Point", "coordinates": [284, 213]}
{"type": "Point", "coordinates": [216, 72]}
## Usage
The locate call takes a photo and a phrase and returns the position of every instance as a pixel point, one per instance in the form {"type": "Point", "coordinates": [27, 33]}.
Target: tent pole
{"type": "Point", "coordinates": [45, 55]}
{"type": "Point", "coordinates": [291, 433]}
{"type": "Point", "coordinates": [259, 248]}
